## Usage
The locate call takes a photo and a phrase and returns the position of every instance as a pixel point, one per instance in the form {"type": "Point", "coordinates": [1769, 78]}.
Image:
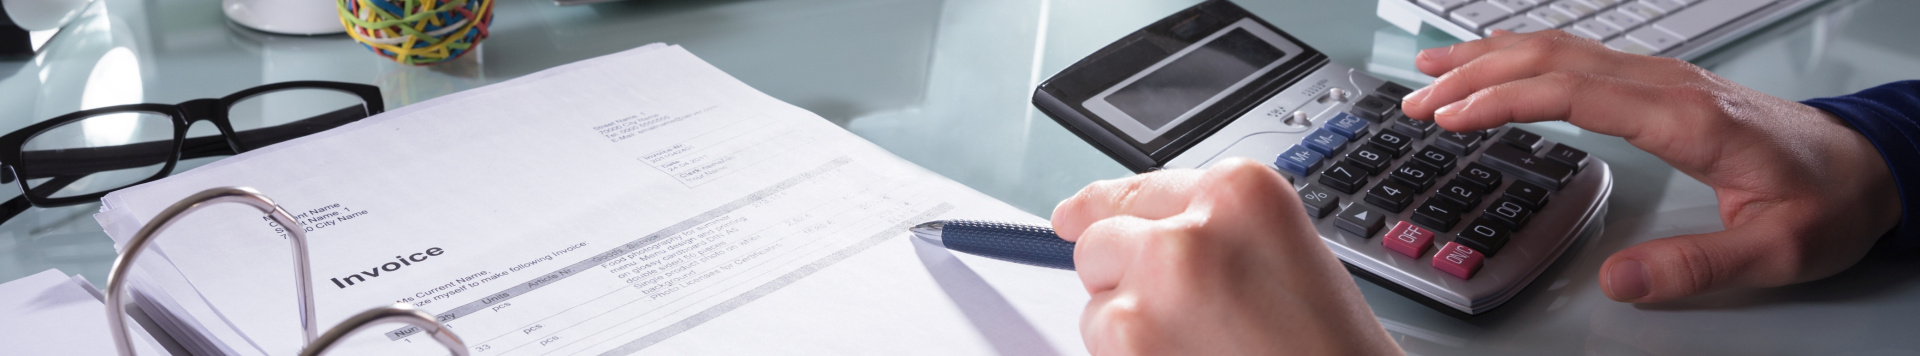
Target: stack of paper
{"type": "Point", "coordinates": [639, 202]}
{"type": "Point", "coordinates": [50, 313]}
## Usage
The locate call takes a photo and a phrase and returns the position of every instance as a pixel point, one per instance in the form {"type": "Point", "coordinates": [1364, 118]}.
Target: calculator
{"type": "Point", "coordinates": [1459, 221]}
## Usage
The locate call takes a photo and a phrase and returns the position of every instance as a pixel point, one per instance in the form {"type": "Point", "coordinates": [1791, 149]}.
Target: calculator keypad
{"type": "Point", "coordinates": [1389, 173]}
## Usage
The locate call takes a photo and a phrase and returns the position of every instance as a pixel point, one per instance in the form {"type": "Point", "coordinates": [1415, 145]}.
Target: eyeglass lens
{"type": "Point", "coordinates": [96, 154]}
{"type": "Point", "coordinates": [291, 113]}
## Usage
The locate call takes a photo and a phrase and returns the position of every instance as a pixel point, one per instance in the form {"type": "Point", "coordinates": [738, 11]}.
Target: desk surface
{"type": "Point", "coordinates": [922, 77]}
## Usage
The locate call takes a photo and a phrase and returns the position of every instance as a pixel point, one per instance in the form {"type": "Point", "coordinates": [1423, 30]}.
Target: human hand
{"type": "Point", "coordinates": [1215, 262]}
{"type": "Point", "coordinates": [1803, 196]}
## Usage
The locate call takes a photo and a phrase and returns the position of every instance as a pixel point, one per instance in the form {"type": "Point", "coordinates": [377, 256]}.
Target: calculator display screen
{"type": "Point", "coordinates": [1161, 97]}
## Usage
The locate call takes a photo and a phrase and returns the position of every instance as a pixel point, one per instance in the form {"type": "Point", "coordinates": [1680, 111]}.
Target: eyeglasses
{"type": "Point", "coordinates": [79, 157]}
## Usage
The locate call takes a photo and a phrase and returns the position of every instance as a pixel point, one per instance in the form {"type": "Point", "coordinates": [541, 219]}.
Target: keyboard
{"type": "Point", "coordinates": [1459, 221]}
{"type": "Point", "coordinates": [1669, 28]}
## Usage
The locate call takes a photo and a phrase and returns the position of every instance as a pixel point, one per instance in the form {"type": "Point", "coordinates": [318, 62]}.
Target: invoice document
{"type": "Point", "coordinates": [641, 202]}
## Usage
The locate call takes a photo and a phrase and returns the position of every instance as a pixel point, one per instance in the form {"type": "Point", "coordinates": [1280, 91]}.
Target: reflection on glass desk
{"type": "Point", "coordinates": [946, 85]}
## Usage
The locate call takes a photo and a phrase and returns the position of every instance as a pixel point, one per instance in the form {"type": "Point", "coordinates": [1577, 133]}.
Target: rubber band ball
{"type": "Point", "coordinates": [417, 32]}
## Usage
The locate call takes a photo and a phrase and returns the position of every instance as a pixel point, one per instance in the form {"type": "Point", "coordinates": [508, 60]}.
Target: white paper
{"type": "Point", "coordinates": [642, 201]}
{"type": "Point", "coordinates": [49, 313]}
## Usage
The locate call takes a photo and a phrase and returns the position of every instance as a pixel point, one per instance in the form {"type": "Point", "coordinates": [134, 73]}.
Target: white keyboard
{"type": "Point", "coordinates": [1670, 28]}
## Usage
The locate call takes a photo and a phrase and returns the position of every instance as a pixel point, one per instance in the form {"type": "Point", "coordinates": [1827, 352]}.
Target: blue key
{"type": "Point", "coordinates": [1325, 141]}
{"type": "Point", "coordinates": [1348, 125]}
{"type": "Point", "coordinates": [1299, 160]}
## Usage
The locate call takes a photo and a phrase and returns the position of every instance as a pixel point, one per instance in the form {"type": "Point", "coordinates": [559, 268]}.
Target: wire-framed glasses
{"type": "Point", "coordinates": [79, 157]}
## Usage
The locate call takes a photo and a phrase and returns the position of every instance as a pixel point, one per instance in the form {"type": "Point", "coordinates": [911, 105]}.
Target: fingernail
{"type": "Point", "coordinates": [1628, 280]}
{"type": "Point", "coordinates": [1450, 109]}
{"type": "Point", "coordinates": [1436, 54]}
{"type": "Point", "coordinates": [1415, 97]}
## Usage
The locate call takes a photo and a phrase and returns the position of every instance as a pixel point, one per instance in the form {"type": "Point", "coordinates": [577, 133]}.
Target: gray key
{"type": "Point", "coordinates": [1514, 6]}
{"type": "Point", "coordinates": [1602, 4]}
{"type": "Point", "coordinates": [1691, 22]}
{"type": "Point", "coordinates": [1619, 19]}
{"type": "Point", "coordinates": [1642, 11]}
{"type": "Point", "coordinates": [1519, 24]}
{"type": "Point", "coordinates": [1550, 17]}
{"type": "Point", "coordinates": [1442, 6]}
{"type": "Point", "coordinates": [1659, 40]}
{"type": "Point", "coordinates": [1573, 7]}
{"type": "Point", "coordinates": [1667, 6]}
{"type": "Point", "coordinates": [1594, 29]}
{"type": "Point", "coordinates": [1630, 46]}
{"type": "Point", "coordinates": [1477, 15]}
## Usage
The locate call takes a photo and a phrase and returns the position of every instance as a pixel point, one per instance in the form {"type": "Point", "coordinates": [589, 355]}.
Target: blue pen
{"type": "Point", "coordinates": [1017, 243]}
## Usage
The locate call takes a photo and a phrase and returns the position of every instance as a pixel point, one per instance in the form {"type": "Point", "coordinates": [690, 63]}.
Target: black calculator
{"type": "Point", "coordinates": [1460, 221]}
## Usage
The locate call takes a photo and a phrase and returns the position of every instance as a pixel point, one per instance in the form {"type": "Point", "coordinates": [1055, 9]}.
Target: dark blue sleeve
{"type": "Point", "coordinates": [1889, 116]}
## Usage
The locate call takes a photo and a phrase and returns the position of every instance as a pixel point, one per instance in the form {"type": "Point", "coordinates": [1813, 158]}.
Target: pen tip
{"type": "Point", "coordinates": [929, 231]}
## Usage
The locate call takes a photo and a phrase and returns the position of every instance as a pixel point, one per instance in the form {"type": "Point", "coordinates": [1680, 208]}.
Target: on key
{"type": "Point", "coordinates": [1298, 160]}
{"type": "Point", "coordinates": [1458, 260]}
{"type": "Point", "coordinates": [1527, 167]}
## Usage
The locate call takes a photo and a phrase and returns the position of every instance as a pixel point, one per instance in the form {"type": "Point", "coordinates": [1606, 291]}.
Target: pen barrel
{"type": "Point", "coordinates": [1017, 243]}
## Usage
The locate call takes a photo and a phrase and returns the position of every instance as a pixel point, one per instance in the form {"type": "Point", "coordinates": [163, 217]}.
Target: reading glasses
{"type": "Point", "coordinates": [80, 157]}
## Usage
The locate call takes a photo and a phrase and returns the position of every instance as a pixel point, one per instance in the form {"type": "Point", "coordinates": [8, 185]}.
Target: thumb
{"type": "Point", "coordinates": [1680, 266]}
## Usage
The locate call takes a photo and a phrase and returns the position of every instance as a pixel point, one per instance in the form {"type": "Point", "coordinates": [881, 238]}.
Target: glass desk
{"type": "Point", "coordinates": [946, 85]}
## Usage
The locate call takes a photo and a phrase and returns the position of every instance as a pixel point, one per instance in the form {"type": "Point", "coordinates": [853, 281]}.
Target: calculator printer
{"type": "Point", "coordinates": [1460, 221]}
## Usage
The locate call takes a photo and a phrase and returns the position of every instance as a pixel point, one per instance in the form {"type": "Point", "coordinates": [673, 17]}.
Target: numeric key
{"type": "Point", "coordinates": [1391, 195]}
{"type": "Point", "coordinates": [1511, 213]}
{"type": "Point", "coordinates": [1480, 177]}
{"type": "Point", "coordinates": [1438, 214]}
{"type": "Point", "coordinates": [1345, 177]}
{"type": "Point", "coordinates": [1440, 161]}
{"type": "Point", "coordinates": [1414, 175]}
{"type": "Point", "coordinates": [1373, 160]}
{"type": "Point", "coordinates": [1391, 142]}
{"type": "Point", "coordinates": [1484, 235]}
{"type": "Point", "coordinates": [1460, 193]}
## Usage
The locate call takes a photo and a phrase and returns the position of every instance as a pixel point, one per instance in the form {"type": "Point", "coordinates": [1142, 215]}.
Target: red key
{"type": "Point", "coordinates": [1458, 260]}
{"type": "Point", "coordinates": [1408, 239]}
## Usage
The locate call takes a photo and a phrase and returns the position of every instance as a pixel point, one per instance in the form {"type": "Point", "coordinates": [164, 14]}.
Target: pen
{"type": "Point", "coordinates": [1017, 243]}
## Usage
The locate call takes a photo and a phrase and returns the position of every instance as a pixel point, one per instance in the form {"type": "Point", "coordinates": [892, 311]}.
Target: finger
{"type": "Point", "coordinates": [1537, 54]}
{"type": "Point", "coordinates": [1606, 105]}
{"type": "Point", "coordinates": [1686, 265]}
{"type": "Point", "coordinates": [1439, 60]}
{"type": "Point", "coordinates": [1152, 196]}
{"type": "Point", "coordinates": [1108, 249]}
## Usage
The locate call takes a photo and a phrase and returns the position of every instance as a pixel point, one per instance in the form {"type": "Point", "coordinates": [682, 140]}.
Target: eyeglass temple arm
{"type": "Point", "coordinates": [101, 159]}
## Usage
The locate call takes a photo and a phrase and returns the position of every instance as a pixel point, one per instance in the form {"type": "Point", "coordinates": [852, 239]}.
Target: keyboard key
{"type": "Point", "coordinates": [1602, 4]}
{"type": "Point", "coordinates": [1551, 17]}
{"type": "Point", "coordinates": [1345, 177]}
{"type": "Point", "coordinates": [1373, 107]}
{"type": "Point", "coordinates": [1705, 16]}
{"type": "Point", "coordinates": [1484, 235]}
{"type": "Point", "coordinates": [1391, 142]}
{"type": "Point", "coordinates": [1459, 143]}
{"type": "Point", "coordinates": [1668, 6]}
{"type": "Point", "coordinates": [1573, 7]}
{"type": "Point", "coordinates": [1408, 239]}
{"type": "Point", "coordinates": [1515, 6]}
{"type": "Point", "coordinates": [1479, 176]}
{"type": "Point", "coordinates": [1654, 38]}
{"type": "Point", "coordinates": [1642, 11]}
{"type": "Point", "coordinates": [1528, 193]}
{"type": "Point", "coordinates": [1522, 139]}
{"type": "Point", "coordinates": [1348, 125]}
{"type": "Point", "coordinates": [1319, 201]}
{"type": "Point", "coordinates": [1595, 29]}
{"type": "Point", "coordinates": [1416, 128]}
{"type": "Point", "coordinates": [1478, 15]}
{"type": "Point", "coordinates": [1518, 24]}
{"type": "Point", "coordinates": [1391, 195]}
{"type": "Point", "coordinates": [1416, 176]}
{"type": "Point", "coordinates": [1441, 6]}
{"type": "Point", "coordinates": [1619, 19]}
{"type": "Point", "coordinates": [1460, 193]}
{"type": "Point", "coordinates": [1369, 158]}
{"type": "Point", "coordinates": [1298, 160]}
{"type": "Point", "coordinates": [1325, 141]}
{"type": "Point", "coordinates": [1360, 221]}
{"type": "Point", "coordinates": [1572, 157]}
{"type": "Point", "coordinates": [1438, 214]}
{"type": "Point", "coordinates": [1508, 212]}
{"type": "Point", "coordinates": [1458, 260]}
{"type": "Point", "coordinates": [1526, 167]}
{"type": "Point", "coordinates": [1393, 90]}
{"type": "Point", "coordinates": [1440, 161]}
{"type": "Point", "coordinates": [1630, 46]}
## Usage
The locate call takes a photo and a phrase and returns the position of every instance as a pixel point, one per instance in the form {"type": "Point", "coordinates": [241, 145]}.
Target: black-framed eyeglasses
{"type": "Point", "coordinates": [79, 157]}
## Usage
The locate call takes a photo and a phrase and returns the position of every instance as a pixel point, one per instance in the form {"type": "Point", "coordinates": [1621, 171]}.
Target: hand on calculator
{"type": "Point", "coordinates": [1802, 195]}
{"type": "Point", "coordinates": [1215, 262]}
